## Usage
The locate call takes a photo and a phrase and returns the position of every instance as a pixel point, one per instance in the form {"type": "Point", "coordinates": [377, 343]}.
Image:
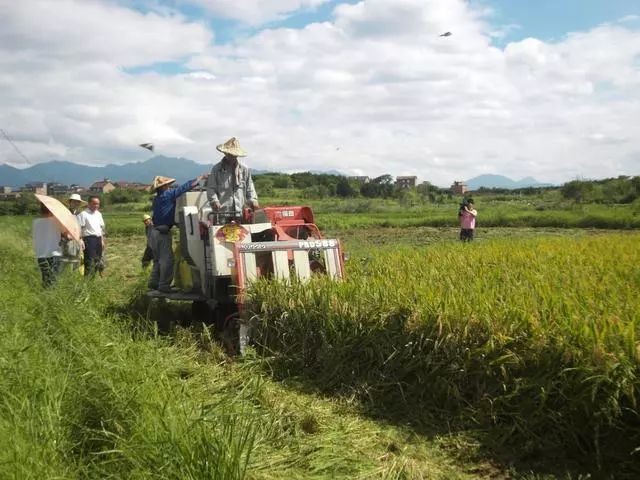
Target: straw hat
{"type": "Point", "coordinates": [146, 217]}
{"type": "Point", "coordinates": [77, 198]}
{"type": "Point", "coordinates": [232, 147]}
{"type": "Point", "coordinates": [160, 181]}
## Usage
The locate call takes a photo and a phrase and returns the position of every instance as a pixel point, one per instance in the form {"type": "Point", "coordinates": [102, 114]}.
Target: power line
{"type": "Point", "coordinates": [15, 147]}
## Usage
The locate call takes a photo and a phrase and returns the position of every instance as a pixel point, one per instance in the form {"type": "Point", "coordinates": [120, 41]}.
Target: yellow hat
{"type": "Point", "coordinates": [77, 198]}
{"type": "Point", "coordinates": [232, 147]}
{"type": "Point", "coordinates": [146, 217]}
{"type": "Point", "coordinates": [160, 181]}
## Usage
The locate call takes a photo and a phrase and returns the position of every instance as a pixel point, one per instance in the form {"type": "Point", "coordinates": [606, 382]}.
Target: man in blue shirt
{"type": "Point", "coordinates": [164, 208]}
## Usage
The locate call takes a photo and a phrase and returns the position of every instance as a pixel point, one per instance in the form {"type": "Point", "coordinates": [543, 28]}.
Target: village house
{"type": "Point", "coordinates": [104, 186]}
{"type": "Point", "coordinates": [36, 187]}
{"type": "Point", "coordinates": [7, 193]}
{"type": "Point", "coordinates": [360, 179]}
{"type": "Point", "coordinates": [459, 188]}
{"type": "Point", "coordinates": [406, 182]}
{"type": "Point", "coordinates": [57, 189]}
{"type": "Point", "coordinates": [131, 185]}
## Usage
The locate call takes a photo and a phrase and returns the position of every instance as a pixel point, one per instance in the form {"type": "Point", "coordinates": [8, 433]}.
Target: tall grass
{"type": "Point", "coordinates": [81, 399]}
{"type": "Point", "coordinates": [86, 393]}
{"type": "Point", "coordinates": [534, 340]}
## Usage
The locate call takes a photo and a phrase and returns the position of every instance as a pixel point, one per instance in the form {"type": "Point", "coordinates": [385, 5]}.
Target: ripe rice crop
{"type": "Point", "coordinates": [534, 340]}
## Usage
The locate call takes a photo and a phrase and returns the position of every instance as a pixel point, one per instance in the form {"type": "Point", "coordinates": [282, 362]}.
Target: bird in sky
{"type": "Point", "coordinates": [148, 146]}
{"type": "Point", "coordinates": [446, 34]}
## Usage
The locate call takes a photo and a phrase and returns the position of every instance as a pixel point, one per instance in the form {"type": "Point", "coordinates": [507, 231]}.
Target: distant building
{"type": "Point", "coordinates": [36, 187]}
{"type": "Point", "coordinates": [361, 180]}
{"type": "Point", "coordinates": [4, 189]}
{"type": "Point", "coordinates": [131, 185]}
{"type": "Point", "coordinates": [57, 189]}
{"type": "Point", "coordinates": [104, 186]}
{"type": "Point", "coordinates": [459, 188]}
{"type": "Point", "coordinates": [406, 182]}
{"type": "Point", "coordinates": [9, 195]}
{"type": "Point", "coordinates": [73, 188]}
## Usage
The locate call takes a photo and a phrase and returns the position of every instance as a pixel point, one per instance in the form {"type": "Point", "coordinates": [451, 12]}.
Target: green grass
{"type": "Point", "coordinates": [524, 339]}
{"type": "Point", "coordinates": [88, 389]}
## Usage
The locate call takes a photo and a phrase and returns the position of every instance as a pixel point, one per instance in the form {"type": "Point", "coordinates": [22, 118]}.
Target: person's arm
{"type": "Point", "coordinates": [185, 187]}
{"type": "Point", "coordinates": [251, 195]}
{"type": "Point", "coordinates": [212, 189]}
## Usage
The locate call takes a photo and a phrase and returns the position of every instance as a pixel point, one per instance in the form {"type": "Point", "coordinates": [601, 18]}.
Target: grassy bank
{"type": "Point", "coordinates": [532, 340]}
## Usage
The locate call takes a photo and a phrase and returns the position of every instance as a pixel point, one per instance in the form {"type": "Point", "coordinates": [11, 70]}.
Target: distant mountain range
{"type": "Point", "coordinates": [182, 169]}
{"type": "Point", "coordinates": [67, 173]}
{"type": "Point", "coordinates": [500, 181]}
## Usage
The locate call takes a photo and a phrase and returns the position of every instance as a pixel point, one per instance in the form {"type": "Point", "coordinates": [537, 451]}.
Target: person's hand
{"type": "Point", "coordinates": [215, 205]}
{"type": "Point", "coordinates": [254, 204]}
{"type": "Point", "coordinates": [203, 177]}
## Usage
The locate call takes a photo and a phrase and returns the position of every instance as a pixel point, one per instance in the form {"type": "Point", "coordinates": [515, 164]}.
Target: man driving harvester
{"type": "Point", "coordinates": [230, 186]}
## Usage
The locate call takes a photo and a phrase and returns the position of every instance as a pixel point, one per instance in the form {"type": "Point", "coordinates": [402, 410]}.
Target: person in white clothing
{"type": "Point", "coordinates": [92, 230]}
{"type": "Point", "coordinates": [47, 234]}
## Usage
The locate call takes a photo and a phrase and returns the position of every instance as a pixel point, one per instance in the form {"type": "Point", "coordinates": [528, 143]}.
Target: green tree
{"type": "Point", "coordinates": [345, 189]}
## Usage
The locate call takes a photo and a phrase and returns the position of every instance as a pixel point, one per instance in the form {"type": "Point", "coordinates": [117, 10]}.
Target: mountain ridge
{"type": "Point", "coordinates": [500, 181]}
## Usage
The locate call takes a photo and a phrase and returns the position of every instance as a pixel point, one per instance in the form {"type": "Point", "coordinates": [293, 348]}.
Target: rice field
{"type": "Point", "coordinates": [430, 358]}
{"type": "Point", "coordinates": [534, 341]}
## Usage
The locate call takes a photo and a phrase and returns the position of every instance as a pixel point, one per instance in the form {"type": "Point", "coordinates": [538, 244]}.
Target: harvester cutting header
{"type": "Point", "coordinates": [227, 245]}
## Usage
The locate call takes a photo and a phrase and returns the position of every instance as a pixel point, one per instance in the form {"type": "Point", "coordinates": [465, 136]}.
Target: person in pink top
{"type": "Point", "coordinates": [468, 216]}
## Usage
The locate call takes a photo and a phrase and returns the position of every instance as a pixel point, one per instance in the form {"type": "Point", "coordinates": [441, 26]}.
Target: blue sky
{"type": "Point", "coordinates": [374, 79]}
{"type": "Point", "coordinates": [548, 20]}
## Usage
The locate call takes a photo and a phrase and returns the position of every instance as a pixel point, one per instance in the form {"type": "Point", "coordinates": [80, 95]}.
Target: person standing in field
{"type": "Point", "coordinates": [230, 185]}
{"type": "Point", "coordinates": [46, 245]}
{"type": "Point", "coordinates": [164, 209]}
{"type": "Point", "coordinates": [93, 231]}
{"type": "Point", "coordinates": [71, 249]}
{"type": "Point", "coordinates": [467, 216]}
{"type": "Point", "coordinates": [147, 256]}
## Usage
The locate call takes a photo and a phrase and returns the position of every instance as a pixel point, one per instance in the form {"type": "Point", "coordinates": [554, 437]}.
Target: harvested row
{"type": "Point", "coordinates": [533, 340]}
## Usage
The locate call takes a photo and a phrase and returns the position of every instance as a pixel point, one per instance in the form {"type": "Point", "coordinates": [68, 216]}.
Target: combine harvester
{"type": "Point", "coordinates": [281, 243]}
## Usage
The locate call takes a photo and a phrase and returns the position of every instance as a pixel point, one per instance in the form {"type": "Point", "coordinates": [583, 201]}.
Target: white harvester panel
{"type": "Point", "coordinates": [191, 199]}
{"type": "Point", "coordinates": [222, 250]}
{"type": "Point", "coordinates": [328, 249]}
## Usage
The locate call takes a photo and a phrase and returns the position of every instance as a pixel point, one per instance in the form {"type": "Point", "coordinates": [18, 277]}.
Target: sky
{"type": "Point", "coordinates": [547, 89]}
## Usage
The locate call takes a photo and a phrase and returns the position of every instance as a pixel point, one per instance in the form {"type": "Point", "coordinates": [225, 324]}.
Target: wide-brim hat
{"type": "Point", "coordinates": [77, 198]}
{"type": "Point", "coordinates": [232, 147]}
{"type": "Point", "coordinates": [160, 181]}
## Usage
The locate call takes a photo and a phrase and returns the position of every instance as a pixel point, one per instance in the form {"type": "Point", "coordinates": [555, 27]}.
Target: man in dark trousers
{"type": "Point", "coordinates": [164, 208]}
{"type": "Point", "coordinates": [93, 232]}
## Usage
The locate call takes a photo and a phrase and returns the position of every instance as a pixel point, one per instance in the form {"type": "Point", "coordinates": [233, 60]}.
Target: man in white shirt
{"type": "Point", "coordinates": [46, 245]}
{"type": "Point", "coordinates": [92, 231]}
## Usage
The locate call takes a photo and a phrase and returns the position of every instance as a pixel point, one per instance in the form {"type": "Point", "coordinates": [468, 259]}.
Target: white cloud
{"type": "Point", "coordinates": [377, 81]}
